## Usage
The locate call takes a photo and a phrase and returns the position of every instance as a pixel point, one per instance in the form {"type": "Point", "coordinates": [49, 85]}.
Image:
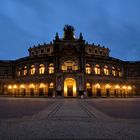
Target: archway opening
{"type": "Point", "coordinates": [69, 87]}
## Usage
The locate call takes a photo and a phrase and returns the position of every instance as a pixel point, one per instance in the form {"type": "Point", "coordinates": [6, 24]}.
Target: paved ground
{"type": "Point", "coordinates": [69, 118]}
{"type": "Point", "coordinates": [118, 108]}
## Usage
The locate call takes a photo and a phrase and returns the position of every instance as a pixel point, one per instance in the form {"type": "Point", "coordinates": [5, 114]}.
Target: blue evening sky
{"type": "Point", "coordinates": [112, 23]}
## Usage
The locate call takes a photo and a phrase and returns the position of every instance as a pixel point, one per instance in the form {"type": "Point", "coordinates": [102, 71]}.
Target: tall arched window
{"type": "Point", "coordinates": [25, 70]}
{"type": "Point", "coordinates": [88, 69]}
{"type": "Point", "coordinates": [120, 72]}
{"type": "Point", "coordinates": [32, 70]}
{"type": "Point", "coordinates": [97, 69]}
{"type": "Point", "coordinates": [41, 69]}
{"type": "Point", "coordinates": [106, 70]}
{"type": "Point", "coordinates": [19, 72]}
{"type": "Point", "coordinates": [113, 71]}
{"type": "Point", "coordinates": [51, 68]}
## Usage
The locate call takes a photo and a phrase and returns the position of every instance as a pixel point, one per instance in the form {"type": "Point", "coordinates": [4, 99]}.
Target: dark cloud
{"type": "Point", "coordinates": [113, 23]}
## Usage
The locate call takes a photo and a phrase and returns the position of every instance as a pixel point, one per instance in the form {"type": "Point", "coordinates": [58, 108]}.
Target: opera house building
{"type": "Point", "coordinates": [68, 67]}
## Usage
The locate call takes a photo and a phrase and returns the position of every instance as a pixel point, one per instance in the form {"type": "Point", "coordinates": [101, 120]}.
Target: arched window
{"type": "Point", "coordinates": [32, 70]}
{"type": "Point", "coordinates": [113, 71]}
{"type": "Point", "coordinates": [88, 85]}
{"type": "Point", "coordinates": [97, 69]}
{"type": "Point", "coordinates": [97, 85]}
{"type": "Point", "coordinates": [42, 85]}
{"type": "Point", "coordinates": [88, 69]}
{"type": "Point", "coordinates": [19, 72]}
{"type": "Point", "coordinates": [98, 89]}
{"type": "Point", "coordinates": [25, 70]}
{"type": "Point", "coordinates": [41, 69]}
{"type": "Point", "coordinates": [120, 72]}
{"type": "Point", "coordinates": [106, 70]}
{"type": "Point", "coordinates": [32, 86]}
{"type": "Point", "coordinates": [51, 68]}
{"type": "Point", "coordinates": [69, 66]}
{"type": "Point", "coordinates": [51, 85]}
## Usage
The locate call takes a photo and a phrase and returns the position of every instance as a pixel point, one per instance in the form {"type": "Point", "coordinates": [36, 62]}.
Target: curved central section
{"type": "Point", "coordinates": [69, 65]}
{"type": "Point", "coordinates": [69, 87]}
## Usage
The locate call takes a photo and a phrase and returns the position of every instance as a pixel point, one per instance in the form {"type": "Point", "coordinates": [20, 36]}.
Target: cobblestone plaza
{"type": "Point", "coordinates": [44, 118]}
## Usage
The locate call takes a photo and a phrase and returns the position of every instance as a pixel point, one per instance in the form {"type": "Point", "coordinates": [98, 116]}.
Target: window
{"type": "Point", "coordinates": [88, 85]}
{"type": "Point", "coordinates": [51, 85]}
{"type": "Point", "coordinates": [51, 68]}
{"type": "Point", "coordinates": [42, 51]}
{"type": "Point", "coordinates": [48, 50]}
{"type": "Point", "coordinates": [89, 50]}
{"type": "Point", "coordinates": [97, 69]}
{"type": "Point", "coordinates": [32, 53]}
{"type": "Point", "coordinates": [88, 69]}
{"type": "Point", "coordinates": [36, 52]}
{"type": "Point", "coordinates": [120, 72]}
{"type": "Point", "coordinates": [101, 52]}
{"type": "Point", "coordinates": [32, 70]}
{"type": "Point", "coordinates": [69, 66]}
{"type": "Point", "coordinates": [41, 69]}
{"type": "Point", "coordinates": [25, 70]}
{"type": "Point", "coordinates": [113, 71]}
{"type": "Point", "coordinates": [96, 51]}
{"type": "Point", "coordinates": [19, 72]}
{"type": "Point", "coordinates": [106, 70]}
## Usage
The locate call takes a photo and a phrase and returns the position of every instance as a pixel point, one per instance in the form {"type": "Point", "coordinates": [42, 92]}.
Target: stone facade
{"type": "Point", "coordinates": [69, 67]}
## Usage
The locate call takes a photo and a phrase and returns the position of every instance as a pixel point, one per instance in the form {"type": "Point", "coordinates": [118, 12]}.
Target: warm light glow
{"type": "Point", "coordinates": [51, 85]}
{"type": "Point", "coordinates": [129, 87]}
{"type": "Point", "coordinates": [70, 82]}
{"type": "Point", "coordinates": [32, 70]}
{"type": "Point", "coordinates": [32, 86]}
{"type": "Point", "coordinates": [97, 86]}
{"type": "Point", "coordinates": [69, 65]}
{"type": "Point", "coordinates": [74, 90]}
{"type": "Point", "coordinates": [25, 71]}
{"type": "Point", "coordinates": [88, 69]}
{"type": "Point", "coordinates": [106, 71]}
{"type": "Point", "coordinates": [51, 68]}
{"type": "Point", "coordinates": [88, 85]}
{"type": "Point", "coordinates": [9, 87]}
{"type": "Point", "coordinates": [41, 69]}
{"type": "Point", "coordinates": [15, 86]}
{"type": "Point", "coordinates": [113, 71]}
{"type": "Point", "coordinates": [124, 87]}
{"type": "Point", "coordinates": [117, 86]}
{"type": "Point", "coordinates": [120, 72]}
{"type": "Point", "coordinates": [65, 90]}
{"type": "Point", "coordinates": [97, 69]}
{"type": "Point", "coordinates": [107, 86]}
{"type": "Point", "coordinates": [42, 85]}
{"type": "Point", "coordinates": [22, 86]}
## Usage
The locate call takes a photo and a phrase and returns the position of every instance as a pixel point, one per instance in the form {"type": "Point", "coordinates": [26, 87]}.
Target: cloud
{"type": "Point", "coordinates": [113, 23]}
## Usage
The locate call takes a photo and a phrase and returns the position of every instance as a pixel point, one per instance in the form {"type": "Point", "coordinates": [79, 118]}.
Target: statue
{"type": "Point", "coordinates": [68, 32]}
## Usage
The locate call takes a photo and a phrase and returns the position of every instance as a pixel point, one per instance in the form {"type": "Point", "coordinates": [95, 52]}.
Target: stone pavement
{"type": "Point", "coordinates": [69, 119]}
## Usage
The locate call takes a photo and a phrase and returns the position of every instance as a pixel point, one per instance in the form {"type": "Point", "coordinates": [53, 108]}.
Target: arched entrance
{"type": "Point", "coordinates": [70, 87]}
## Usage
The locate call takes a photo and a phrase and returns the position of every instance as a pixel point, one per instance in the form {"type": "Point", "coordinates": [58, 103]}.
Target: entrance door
{"type": "Point", "coordinates": [41, 92]}
{"type": "Point", "coordinates": [70, 90]}
{"type": "Point", "coordinates": [107, 92]}
{"type": "Point", "coordinates": [70, 87]}
{"type": "Point", "coordinates": [32, 92]}
{"type": "Point", "coordinates": [98, 92]}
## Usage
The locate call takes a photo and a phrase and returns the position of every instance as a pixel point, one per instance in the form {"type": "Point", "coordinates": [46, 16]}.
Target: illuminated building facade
{"type": "Point", "coordinates": [68, 67]}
